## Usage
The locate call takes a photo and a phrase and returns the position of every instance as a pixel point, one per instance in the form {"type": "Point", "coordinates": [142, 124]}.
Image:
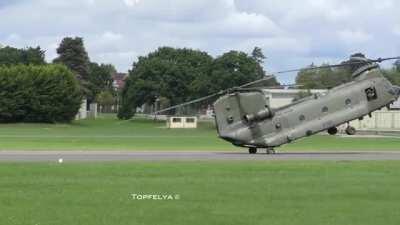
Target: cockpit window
{"type": "Point", "coordinates": [371, 93]}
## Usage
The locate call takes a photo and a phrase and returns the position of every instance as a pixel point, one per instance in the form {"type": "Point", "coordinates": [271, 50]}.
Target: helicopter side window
{"type": "Point", "coordinates": [371, 93]}
{"type": "Point", "coordinates": [230, 119]}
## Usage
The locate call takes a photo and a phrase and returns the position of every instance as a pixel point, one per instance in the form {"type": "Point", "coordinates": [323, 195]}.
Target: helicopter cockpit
{"type": "Point", "coordinates": [361, 64]}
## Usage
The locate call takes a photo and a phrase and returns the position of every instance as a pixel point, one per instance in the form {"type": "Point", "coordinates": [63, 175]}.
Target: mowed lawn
{"type": "Point", "coordinates": [209, 193]}
{"type": "Point", "coordinates": [108, 133]}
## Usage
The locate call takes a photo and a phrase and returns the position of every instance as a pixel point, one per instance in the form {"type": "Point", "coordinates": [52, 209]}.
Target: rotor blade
{"type": "Point", "coordinates": [379, 60]}
{"type": "Point", "coordinates": [285, 85]}
{"type": "Point", "coordinates": [188, 103]}
{"type": "Point", "coordinates": [266, 78]}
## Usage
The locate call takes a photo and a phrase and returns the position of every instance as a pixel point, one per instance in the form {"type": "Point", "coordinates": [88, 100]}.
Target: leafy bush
{"type": "Point", "coordinates": [48, 93]}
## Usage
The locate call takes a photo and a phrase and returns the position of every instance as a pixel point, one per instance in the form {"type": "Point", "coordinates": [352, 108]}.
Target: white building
{"type": "Point", "coordinates": [84, 113]}
{"type": "Point", "coordinates": [182, 122]}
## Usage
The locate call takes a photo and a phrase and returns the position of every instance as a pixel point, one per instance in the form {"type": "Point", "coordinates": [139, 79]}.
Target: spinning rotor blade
{"type": "Point", "coordinates": [282, 86]}
{"type": "Point", "coordinates": [266, 78]}
{"type": "Point", "coordinates": [379, 60]}
{"type": "Point", "coordinates": [190, 102]}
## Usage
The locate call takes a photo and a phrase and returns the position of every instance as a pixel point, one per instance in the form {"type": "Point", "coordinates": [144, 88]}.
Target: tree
{"type": "Point", "coordinates": [28, 56]}
{"type": "Point", "coordinates": [258, 55]}
{"type": "Point", "coordinates": [179, 75]}
{"type": "Point", "coordinates": [234, 69]}
{"type": "Point", "coordinates": [393, 75]}
{"type": "Point", "coordinates": [47, 93]}
{"type": "Point", "coordinates": [72, 53]}
{"type": "Point", "coordinates": [34, 56]}
{"type": "Point", "coordinates": [323, 78]}
{"type": "Point", "coordinates": [175, 74]}
{"type": "Point", "coordinates": [105, 99]}
{"type": "Point", "coordinates": [100, 79]}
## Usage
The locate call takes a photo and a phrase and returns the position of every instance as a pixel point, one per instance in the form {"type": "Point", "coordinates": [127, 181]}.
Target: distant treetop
{"type": "Point", "coordinates": [72, 53]}
{"type": "Point", "coordinates": [28, 56]}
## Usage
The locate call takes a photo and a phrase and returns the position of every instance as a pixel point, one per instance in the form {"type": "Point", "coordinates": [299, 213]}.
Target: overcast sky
{"type": "Point", "coordinates": [292, 33]}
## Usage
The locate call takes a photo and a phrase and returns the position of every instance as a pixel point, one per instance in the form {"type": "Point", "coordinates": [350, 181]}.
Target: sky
{"type": "Point", "coordinates": [291, 33]}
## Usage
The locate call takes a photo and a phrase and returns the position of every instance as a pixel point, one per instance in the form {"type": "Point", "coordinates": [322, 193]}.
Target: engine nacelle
{"type": "Point", "coordinates": [259, 116]}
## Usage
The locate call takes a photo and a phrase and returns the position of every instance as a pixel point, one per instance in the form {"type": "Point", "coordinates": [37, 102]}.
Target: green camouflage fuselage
{"type": "Point", "coordinates": [245, 119]}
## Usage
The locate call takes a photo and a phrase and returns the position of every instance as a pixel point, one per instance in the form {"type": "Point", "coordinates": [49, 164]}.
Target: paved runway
{"type": "Point", "coordinates": [99, 156]}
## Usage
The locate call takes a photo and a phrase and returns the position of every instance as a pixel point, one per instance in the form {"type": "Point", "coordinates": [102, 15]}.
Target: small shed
{"type": "Point", "coordinates": [182, 122]}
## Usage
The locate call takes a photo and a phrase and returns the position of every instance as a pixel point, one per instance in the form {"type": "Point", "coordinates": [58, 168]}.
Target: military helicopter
{"type": "Point", "coordinates": [245, 119]}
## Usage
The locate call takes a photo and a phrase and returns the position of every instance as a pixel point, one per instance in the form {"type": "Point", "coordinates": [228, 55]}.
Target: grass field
{"type": "Point", "coordinates": [139, 134]}
{"type": "Point", "coordinates": [210, 193]}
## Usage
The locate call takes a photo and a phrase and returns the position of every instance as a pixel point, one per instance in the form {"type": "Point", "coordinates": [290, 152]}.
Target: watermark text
{"type": "Point", "coordinates": [166, 197]}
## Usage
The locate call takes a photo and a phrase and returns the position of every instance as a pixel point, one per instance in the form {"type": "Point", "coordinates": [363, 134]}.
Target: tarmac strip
{"type": "Point", "coordinates": [104, 156]}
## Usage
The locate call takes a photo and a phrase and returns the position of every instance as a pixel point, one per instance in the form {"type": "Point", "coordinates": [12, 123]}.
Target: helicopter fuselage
{"type": "Point", "coordinates": [245, 118]}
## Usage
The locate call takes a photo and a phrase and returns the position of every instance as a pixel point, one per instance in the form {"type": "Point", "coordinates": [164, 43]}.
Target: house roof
{"type": "Point", "coordinates": [119, 80]}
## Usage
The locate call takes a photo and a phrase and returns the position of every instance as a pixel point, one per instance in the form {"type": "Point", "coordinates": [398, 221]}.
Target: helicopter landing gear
{"type": "Point", "coordinates": [350, 130]}
{"type": "Point", "coordinates": [332, 131]}
{"type": "Point", "coordinates": [252, 150]}
{"type": "Point", "coordinates": [270, 151]}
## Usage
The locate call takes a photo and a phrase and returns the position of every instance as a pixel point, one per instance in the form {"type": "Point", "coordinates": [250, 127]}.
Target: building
{"type": "Point", "coordinates": [119, 80]}
{"type": "Point", "coordinates": [182, 122]}
{"type": "Point", "coordinates": [87, 110]}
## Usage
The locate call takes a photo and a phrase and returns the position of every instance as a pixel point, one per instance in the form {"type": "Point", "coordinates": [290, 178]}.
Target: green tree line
{"type": "Point", "coordinates": [179, 74]}
{"type": "Point", "coordinates": [27, 56]}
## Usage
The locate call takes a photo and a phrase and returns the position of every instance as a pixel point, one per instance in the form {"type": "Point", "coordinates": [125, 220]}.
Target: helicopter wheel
{"type": "Point", "coordinates": [332, 131]}
{"type": "Point", "coordinates": [270, 151]}
{"type": "Point", "coordinates": [252, 150]}
{"type": "Point", "coordinates": [350, 130]}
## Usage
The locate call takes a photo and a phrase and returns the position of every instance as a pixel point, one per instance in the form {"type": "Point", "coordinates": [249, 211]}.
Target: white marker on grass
{"type": "Point", "coordinates": [60, 160]}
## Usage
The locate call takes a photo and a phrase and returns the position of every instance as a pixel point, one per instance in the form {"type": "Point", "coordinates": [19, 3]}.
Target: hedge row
{"type": "Point", "coordinates": [48, 93]}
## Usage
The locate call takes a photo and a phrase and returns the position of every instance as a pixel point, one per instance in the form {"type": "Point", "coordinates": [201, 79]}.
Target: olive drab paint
{"type": "Point", "coordinates": [245, 119]}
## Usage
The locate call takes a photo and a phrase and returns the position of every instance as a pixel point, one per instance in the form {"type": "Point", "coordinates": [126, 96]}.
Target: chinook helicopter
{"type": "Point", "coordinates": [244, 117]}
